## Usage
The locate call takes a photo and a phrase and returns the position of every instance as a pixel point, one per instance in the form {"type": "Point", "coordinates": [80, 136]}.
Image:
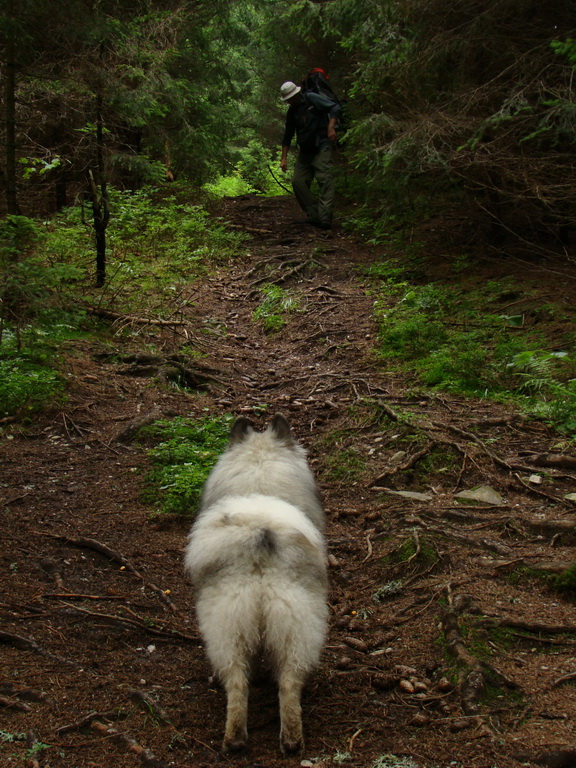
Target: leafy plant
{"type": "Point", "coordinates": [182, 460]}
{"type": "Point", "coordinates": [26, 387]}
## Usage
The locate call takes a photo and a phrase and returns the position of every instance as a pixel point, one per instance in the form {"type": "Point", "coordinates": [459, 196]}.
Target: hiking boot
{"type": "Point", "coordinates": [319, 224]}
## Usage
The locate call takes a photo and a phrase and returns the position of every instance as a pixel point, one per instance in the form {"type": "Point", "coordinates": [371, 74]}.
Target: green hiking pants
{"type": "Point", "coordinates": [309, 167]}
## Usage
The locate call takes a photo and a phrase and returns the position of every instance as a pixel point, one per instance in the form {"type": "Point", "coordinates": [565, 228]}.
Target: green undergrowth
{"type": "Point", "coordinates": [275, 305]}
{"type": "Point", "coordinates": [158, 244]}
{"type": "Point", "coordinates": [184, 452]}
{"type": "Point", "coordinates": [477, 342]}
{"type": "Point", "coordinates": [563, 584]}
{"type": "Point", "coordinates": [255, 172]}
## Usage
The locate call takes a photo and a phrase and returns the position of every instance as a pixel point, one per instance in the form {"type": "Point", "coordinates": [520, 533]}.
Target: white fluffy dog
{"type": "Point", "coordinates": [257, 557]}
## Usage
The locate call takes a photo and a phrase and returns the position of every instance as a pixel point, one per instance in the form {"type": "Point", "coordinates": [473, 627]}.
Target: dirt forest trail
{"type": "Point", "coordinates": [448, 645]}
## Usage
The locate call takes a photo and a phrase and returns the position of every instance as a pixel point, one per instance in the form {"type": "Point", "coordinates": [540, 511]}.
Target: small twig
{"type": "Point", "coordinates": [353, 738]}
{"type": "Point", "coordinates": [16, 498]}
{"type": "Point", "coordinates": [563, 679]}
{"type": "Point", "coordinates": [142, 624]}
{"type": "Point", "coordinates": [408, 464]}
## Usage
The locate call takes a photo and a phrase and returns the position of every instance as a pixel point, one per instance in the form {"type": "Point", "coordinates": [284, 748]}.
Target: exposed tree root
{"type": "Point", "coordinates": [9, 688]}
{"type": "Point", "coordinates": [474, 674]}
{"type": "Point", "coordinates": [9, 703]}
{"type": "Point", "coordinates": [535, 628]}
{"type": "Point", "coordinates": [410, 462]}
{"type": "Point", "coordinates": [25, 644]}
{"type": "Point", "coordinates": [553, 460]}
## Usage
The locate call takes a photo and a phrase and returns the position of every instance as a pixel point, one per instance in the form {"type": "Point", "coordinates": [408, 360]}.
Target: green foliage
{"type": "Point", "coordinates": [233, 185]}
{"type": "Point", "coordinates": [186, 452]}
{"type": "Point", "coordinates": [392, 761]}
{"type": "Point", "coordinates": [276, 304]}
{"type": "Point", "coordinates": [30, 319]}
{"type": "Point", "coordinates": [157, 247]}
{"type": "Point", "coordinates": [565, 48]}
{"type": "Point", "coordinates": [566, 581]}
{"type": "Point", "coordinates": [176, 233]}
{"type": "Point", "coordinates": [452, 343]}
{"type": "Point", "coordinates": [390, 589]}
{"type": "Point", "coordinates": [26, 387]}
{"type": "Point", "coordinates": [251, 175]}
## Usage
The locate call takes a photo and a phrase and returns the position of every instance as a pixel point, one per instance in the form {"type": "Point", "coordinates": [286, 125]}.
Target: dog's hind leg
{"type": "Point", "coordinates": [235, 681]}
{"type": "Point", "coordinates": [290, 683]}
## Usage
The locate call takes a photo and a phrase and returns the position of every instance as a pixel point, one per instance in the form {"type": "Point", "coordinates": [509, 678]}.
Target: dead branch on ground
{"type": "Point", "coordinates": [143, 624]}
{"type": "Point", "coordinates": [116, 557]}
{"type": "Point", "coordinates": [118, 317]}
{"type": "Point", "coordinates": [147, 758]}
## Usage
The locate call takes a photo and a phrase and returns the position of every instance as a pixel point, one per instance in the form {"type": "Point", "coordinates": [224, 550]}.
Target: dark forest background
{"type": "Point", "coordinates": [464, 106]}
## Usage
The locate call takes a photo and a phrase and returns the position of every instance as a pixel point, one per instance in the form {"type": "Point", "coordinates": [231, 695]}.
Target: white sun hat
{"type": "Point", "coordinates": [289, 89]}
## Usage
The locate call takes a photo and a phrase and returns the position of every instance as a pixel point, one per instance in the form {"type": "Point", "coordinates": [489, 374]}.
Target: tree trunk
{"type": "Point", "coordinates": [11, 197]}
{"type": "Point", "coordinates": [99, 192]}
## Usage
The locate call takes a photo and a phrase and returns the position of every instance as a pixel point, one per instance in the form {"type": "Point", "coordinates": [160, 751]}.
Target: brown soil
{"type": "Point", "coordinates": [447, 646]}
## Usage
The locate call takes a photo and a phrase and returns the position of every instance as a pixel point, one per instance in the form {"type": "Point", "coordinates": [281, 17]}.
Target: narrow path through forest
{"type": "Point", "coordinates": [450, 642]}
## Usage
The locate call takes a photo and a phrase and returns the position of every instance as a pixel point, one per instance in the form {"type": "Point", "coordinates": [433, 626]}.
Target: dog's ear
{"type": "Point", "coordinates": [240, 429]}
{"type": "Point", "coordinates": [281, 428]}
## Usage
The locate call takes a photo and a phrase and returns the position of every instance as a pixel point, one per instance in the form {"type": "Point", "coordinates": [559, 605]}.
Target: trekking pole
{"type": "Point", "coordinates": [278, 180]}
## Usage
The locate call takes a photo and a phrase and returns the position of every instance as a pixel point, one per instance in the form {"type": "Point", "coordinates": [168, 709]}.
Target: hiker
{"type": "Point", "coordinates": [313, 118]}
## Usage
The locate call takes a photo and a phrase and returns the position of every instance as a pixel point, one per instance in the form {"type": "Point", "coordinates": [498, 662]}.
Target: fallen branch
{"type": "Point", "coordinates": [74, 596]}
{"type": "Point", "coordinates": [116, 557]}
{"type": "Point", "coordinates": [147, 758]}
{"type": "Point", "coordinates": [145, 625]}
{"type": "Point", "coordinates": [570, 677]}
{"type": "Point", "coordinates": [108, 314]}
{"type": "Point", "coordinates": [87, 720]}
{"type": "Point", "coordinates": [149, 704]}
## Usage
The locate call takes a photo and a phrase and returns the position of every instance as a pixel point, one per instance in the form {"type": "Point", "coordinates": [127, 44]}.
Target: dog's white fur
{"type": "Point", "coordinates": [256, 555]}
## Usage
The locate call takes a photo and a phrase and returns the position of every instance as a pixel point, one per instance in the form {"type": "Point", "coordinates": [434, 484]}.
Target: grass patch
{"type": "Point", "coordinates": [276, 304]}
{"type": "Point", "coordinates": [185, 453]}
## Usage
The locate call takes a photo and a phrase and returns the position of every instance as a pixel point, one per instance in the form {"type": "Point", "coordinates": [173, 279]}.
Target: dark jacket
{"type": "Point", "coordinates": [309, 121]}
